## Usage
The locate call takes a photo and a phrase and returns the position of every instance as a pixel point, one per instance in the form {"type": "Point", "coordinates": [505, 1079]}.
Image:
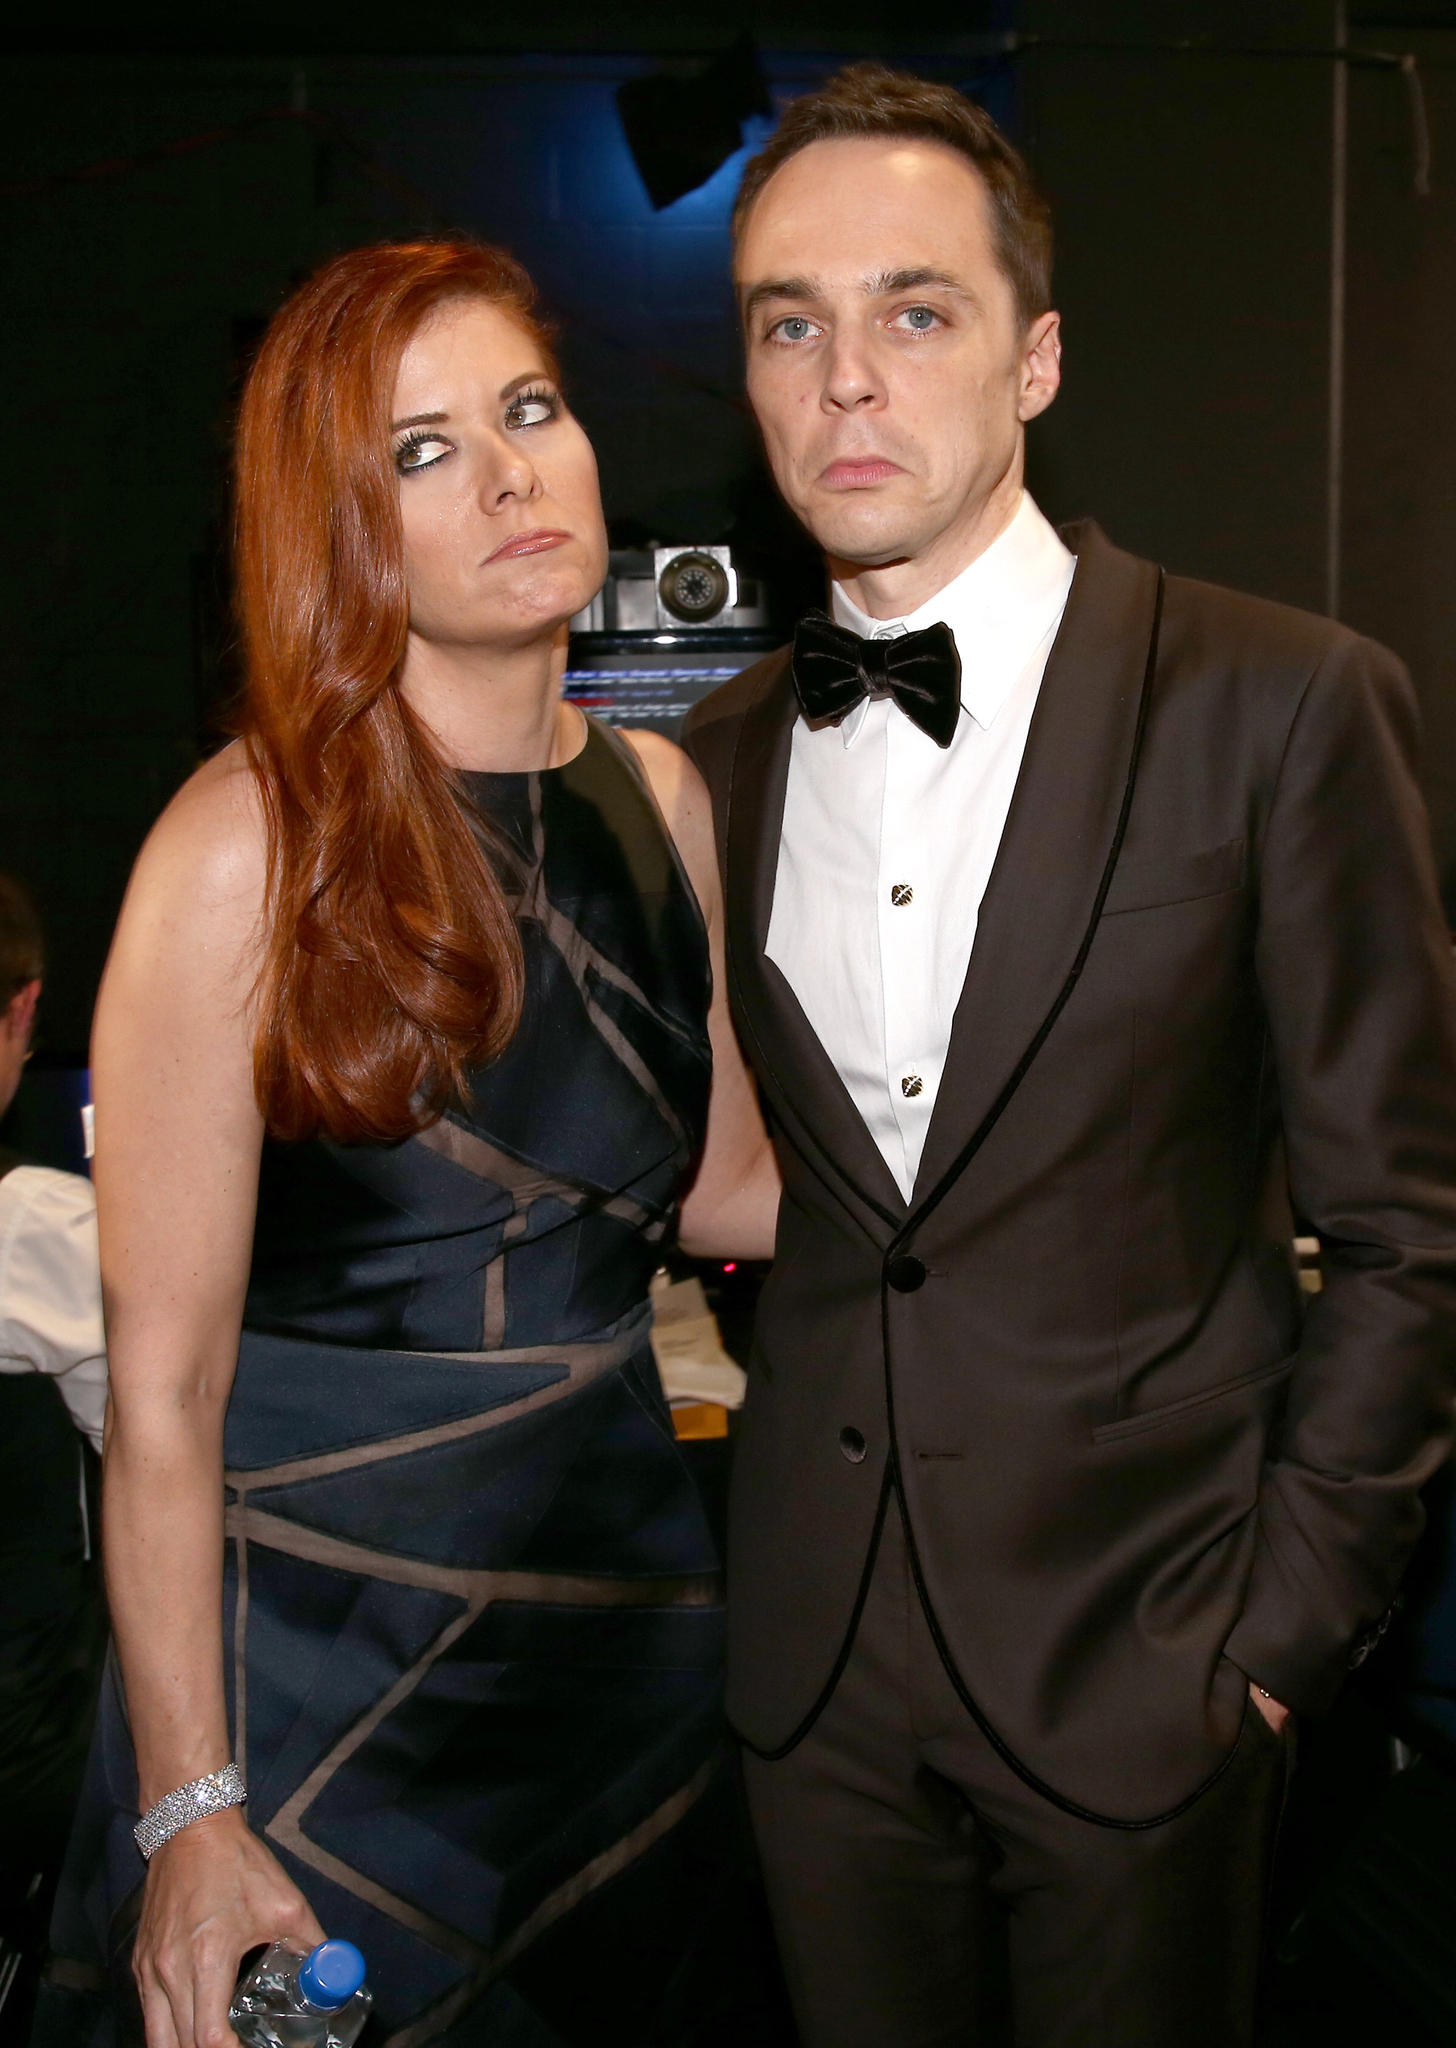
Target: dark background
{"type": "Point", "coordinates": [166, 172]}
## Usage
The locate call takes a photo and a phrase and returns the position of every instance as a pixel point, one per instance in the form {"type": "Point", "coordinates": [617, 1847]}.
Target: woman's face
{"type": "Point", "coordinates": [503, 529]}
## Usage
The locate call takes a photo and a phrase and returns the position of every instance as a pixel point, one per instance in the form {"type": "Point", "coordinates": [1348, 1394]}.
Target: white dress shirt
{"type": "Point", "coordinates": [50, 1288]}
{"type": "Point", "coordinates": [889, 840]}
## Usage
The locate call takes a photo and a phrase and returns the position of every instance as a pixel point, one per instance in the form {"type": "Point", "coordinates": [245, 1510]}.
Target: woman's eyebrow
{"type": "Point", "coordinates": [440, 419]}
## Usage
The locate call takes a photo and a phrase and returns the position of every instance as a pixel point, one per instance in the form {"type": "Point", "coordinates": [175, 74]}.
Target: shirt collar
{"type": "Point", "coordinates": [1000, 610]}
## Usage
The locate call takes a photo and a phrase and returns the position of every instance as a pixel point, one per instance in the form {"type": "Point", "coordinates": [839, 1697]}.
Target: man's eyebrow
{"type": "Point", "coordinates": [890, 281]}
{"type": "Point", "coordinates": [774, 288]}
{"type": "Point", "coordinates": [882, 285]}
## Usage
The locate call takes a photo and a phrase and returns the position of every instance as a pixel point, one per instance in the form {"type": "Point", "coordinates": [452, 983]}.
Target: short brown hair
{"type": "Point", "coordinates": [873, 100]}
{"type": "Point", "coordinates": [22, 947]}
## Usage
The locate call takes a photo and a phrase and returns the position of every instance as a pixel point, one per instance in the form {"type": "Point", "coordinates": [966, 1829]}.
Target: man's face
{"type": "Point", "coordinates": [887, 363]}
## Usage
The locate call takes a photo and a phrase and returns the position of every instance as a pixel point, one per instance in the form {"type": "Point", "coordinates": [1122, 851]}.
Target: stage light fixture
{"type": "Point", "coordinates": [681, 130]}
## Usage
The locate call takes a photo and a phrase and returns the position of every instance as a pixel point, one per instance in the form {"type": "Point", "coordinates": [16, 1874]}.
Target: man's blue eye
{"type": "Point", "coordinates": [920, 317]}
{"type": "Point", "coordinates": [794, 329]}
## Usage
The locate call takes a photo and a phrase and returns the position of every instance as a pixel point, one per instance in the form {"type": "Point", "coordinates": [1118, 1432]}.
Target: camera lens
{"type": "Point", "coordinates": [693, 587]}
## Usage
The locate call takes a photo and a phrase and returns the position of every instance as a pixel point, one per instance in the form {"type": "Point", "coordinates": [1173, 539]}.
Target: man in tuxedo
{"type": "Point", "coordinates": [1078, 918]}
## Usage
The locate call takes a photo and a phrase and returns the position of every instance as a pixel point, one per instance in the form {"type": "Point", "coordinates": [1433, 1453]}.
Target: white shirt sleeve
{"type": "Point", "coordinates": [50, 1288]}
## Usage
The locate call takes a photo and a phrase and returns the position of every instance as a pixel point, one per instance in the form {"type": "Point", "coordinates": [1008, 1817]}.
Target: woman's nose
{"type": "Point", "coordinates": [508, 474]}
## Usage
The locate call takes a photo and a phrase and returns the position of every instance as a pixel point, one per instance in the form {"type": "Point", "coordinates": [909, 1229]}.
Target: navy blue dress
{"type": "Point", "coordinates": [473, 1622]}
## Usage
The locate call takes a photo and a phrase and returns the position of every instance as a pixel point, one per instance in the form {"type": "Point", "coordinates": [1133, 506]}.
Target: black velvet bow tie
{"type": "Point", "coordinates": [834, 670]}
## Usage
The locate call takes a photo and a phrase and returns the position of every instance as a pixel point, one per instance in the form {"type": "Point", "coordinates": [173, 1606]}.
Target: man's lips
{"type": "Point", "coordinates": [852, 472]}
{"type": "Point", "coordinates": [536, 542]}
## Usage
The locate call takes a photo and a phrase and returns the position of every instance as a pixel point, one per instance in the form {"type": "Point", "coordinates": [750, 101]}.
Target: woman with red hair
{"type": "Point", "coordinates": [408, 1058]}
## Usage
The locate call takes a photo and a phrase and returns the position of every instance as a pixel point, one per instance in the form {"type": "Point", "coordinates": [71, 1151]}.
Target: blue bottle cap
{"type": "Point", "coordinates": [331, 1975]}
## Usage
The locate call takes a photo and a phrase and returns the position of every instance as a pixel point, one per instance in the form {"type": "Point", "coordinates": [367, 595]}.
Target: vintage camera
{"type": "Point", "coordinates": [674, 590]}
{"type": "Point", "coordinates": [669, 625]}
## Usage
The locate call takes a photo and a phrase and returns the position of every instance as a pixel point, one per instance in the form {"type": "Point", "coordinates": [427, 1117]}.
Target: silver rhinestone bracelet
{"type": "Point", "coordinates": [187, 1804]}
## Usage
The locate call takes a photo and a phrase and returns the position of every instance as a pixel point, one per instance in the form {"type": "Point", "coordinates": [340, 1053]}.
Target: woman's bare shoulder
{"type": "Point", "coordinates": [682, 797]}
{"type": "Point", "coordinates": [680, 790]}
{"type": "Point", "coordinates": [203, 867]}
{"type": "Point", "coordinates": [213, 829]}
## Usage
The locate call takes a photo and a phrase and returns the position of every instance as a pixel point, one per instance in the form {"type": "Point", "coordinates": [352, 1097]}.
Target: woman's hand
{"type": "Point", "coordinates": [212, 1893]}
{"type": "Point", "coordinates": [1274, 1711]}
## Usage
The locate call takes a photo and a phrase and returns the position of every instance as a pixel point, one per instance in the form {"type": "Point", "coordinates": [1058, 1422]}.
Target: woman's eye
{"type": "Point", "coordinates": [919, 319]}
{"type": "Point", "coordinates": [795, 328]}
{"type": "Point", "coordinates": [532, 409]}
{"type": "Point", "coordinates": [421, 451]}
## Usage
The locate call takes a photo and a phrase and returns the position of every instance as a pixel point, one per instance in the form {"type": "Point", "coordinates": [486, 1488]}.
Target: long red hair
{"type": "Point", "coordinates": [391, 963]}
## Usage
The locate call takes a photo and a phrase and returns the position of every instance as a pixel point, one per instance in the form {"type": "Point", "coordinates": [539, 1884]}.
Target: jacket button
{"type": "Point", "coordinates": [853, 1445]}
{"type": "Point", "coordinates": [905, 1273]}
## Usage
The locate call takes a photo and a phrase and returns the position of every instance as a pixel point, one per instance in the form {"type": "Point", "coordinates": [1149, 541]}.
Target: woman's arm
{"type": "Point", "coordinates": [178, 1136]}
{"type": "Point", "coordinates": [732, 1209]}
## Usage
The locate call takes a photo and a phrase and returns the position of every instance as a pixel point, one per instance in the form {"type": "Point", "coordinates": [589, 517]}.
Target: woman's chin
{"type": "Point", "coordinates": [540, 615]}
{"type": "Point", "coordinates": [542, 600]}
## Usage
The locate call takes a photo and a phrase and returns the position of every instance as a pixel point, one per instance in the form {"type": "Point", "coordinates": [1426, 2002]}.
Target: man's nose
{"type": "Point", "coordinates": [852, 382]}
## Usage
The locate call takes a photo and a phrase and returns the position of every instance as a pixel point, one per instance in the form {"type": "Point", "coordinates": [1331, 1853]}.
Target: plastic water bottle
{"type": "Point", "coordinates": [292, 2001]}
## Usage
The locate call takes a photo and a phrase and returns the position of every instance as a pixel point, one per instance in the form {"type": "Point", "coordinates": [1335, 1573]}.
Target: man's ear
{"type": "Point", "coordinates": [1041, 365]}
{"type": "Point", "coordinates": [19, 1015]}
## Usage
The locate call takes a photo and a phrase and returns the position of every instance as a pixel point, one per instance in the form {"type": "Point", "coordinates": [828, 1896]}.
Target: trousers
{"type": "Point", "coordinates": [925, 1897]}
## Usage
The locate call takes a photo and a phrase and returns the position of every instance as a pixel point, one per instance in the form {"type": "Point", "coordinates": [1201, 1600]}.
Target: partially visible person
{"type": "Point", "coordinates": [50, 1281]}
{"type": "Point", "coordinates": [52, 1404]}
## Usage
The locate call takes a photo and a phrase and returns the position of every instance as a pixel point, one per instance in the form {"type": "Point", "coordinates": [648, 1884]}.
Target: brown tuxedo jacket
{"type": "Point", "coordinates": [1210, 964]}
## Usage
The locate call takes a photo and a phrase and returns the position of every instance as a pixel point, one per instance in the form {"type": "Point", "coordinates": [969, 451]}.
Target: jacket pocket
{"type": "Point", "coordinates": [1150, 883]}
{"type": "Point", "coordinates": [1155, 1418]}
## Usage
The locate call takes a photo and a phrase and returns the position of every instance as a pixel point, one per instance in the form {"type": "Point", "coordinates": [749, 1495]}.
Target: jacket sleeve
{"type": "Point", "coordinates": [1354, 962]}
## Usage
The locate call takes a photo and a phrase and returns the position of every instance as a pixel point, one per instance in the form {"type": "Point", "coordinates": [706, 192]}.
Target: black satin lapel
{"type": "Point", "coordinates": [1060, 830]}
{"type": "Point", "coordinates": [800, 1074]}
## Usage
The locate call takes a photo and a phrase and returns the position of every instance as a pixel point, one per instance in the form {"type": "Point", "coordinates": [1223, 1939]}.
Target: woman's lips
{"type": "Point", "coordinates": [852, 471]}
{"type": "Point", "coordinates": [536, 542]}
